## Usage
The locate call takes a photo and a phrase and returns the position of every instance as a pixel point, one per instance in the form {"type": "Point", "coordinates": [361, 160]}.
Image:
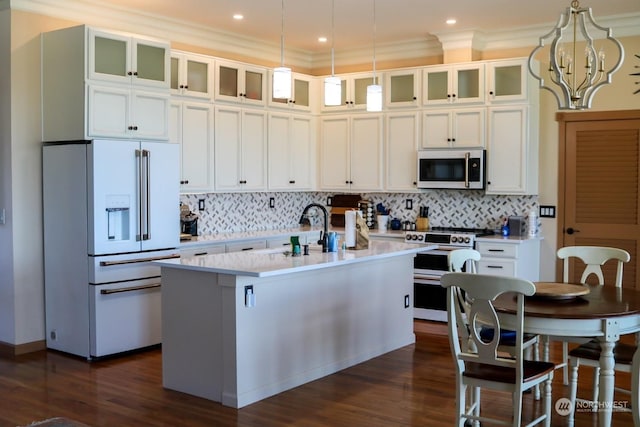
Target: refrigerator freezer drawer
{"type": "Point", "coordinates": [125, 316]}
{"type": "Point", "coordinates": [116, 268]}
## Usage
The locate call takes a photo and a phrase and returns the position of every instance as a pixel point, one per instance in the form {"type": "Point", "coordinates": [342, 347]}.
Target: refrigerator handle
{"type": "Point", "coordinates": [146, 155]}
{"type": "Point", "coordinates": [139, 198]}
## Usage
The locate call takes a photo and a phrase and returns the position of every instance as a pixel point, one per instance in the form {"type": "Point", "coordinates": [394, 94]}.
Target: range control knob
{"type": "Point", "coordinates": [454, 239]}
{"type": "Point", "coordinates": [420, 237]}
{"type": "Point", "coordinates": [467, 239]}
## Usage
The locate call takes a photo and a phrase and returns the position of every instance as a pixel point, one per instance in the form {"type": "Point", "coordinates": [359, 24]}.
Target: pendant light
{"type": "Point", "coordinates": [333, 84]}
{"type": "Point", "coordinates": [575, 79]}
{"type": "Point", "coordinates": [374, 91]}
{"type": "Point", "coordinates": [282, 74]}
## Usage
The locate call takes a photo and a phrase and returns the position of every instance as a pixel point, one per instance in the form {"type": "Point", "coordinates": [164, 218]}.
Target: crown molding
{"type": "Point", "coordinates": [93, 13]}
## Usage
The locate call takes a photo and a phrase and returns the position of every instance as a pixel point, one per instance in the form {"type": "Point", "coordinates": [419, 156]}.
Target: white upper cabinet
{"type": "Point", "coordinates": [351, 152]}
{"type": "Point", "coordinates": [122, 58]}
{"type": "Point", "coordinates": [402, 88]}
{"type": "Point", "coordinates": [402, 130]}
{"type": "Point", "coordinates": [240, 149]}
{"type": "Point", "coordinates": [512, 150]}
{"type": "Point", "coordinates": [191, 126]}
{"type": "Point", "coordinates": [453, 84]}
{"type": "Point", "coordinates": [237, 82]}
{"type": "Point", "coordinates": [301, 93]}
{"type": "Point", "coordinates": [191, 75]}
{"type": "Point", "coordinates": [453, 128]}
{"type": "Point", "coordinates": [290, 152]}
{"type": "Point", "coordinates": [507, 80]}
{"type": "Point", "coordinates": [354, 92]}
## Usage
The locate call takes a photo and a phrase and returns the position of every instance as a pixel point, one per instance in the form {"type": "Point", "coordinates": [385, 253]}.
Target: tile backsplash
{"type": "Point", "coordinates": [231, 212]}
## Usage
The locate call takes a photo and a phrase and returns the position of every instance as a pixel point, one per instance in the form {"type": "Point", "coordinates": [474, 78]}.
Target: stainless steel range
{"type": "Point", "coordinates": [429, 300]}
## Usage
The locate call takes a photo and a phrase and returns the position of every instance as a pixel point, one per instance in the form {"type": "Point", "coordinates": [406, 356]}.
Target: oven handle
{"type": "Point", "coordinates": [466, 169]}
{"type": "Point", "coordinates": [425, 277]}
{"type": "Point", "coordinates": [129, 289]}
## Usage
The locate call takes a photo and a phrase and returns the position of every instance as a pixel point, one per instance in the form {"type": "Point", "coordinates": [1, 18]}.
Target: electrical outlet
{"type": "Point", "coordinates": [329, 200]}
{"type": "Point", "coordinates": [272, 202]}
{"type": "Point", "coordinates": [53, 334]}
{"type": "Point", "coordinates": [249, 296]}
{"type": "Point", "coordinates": [200, 204]}
{"type": "Point", "coordinates": [3, 216]}
{"type": "Point", "coordinates": [406, 301]}
{"type": "Point", "coordinates": [408, 204]}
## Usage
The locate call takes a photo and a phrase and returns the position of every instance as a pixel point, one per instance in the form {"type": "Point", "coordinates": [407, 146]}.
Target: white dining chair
{"type": "Point", "coordinates": [482, 365]}
{"type": "Point", "coordinates": [594, 257]}
{"type": "Point", "coordinates": [465, 260]}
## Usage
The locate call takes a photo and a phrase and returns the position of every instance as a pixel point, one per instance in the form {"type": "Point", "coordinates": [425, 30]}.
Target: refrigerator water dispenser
{"type": "Point", "coordinates": [117, 208]}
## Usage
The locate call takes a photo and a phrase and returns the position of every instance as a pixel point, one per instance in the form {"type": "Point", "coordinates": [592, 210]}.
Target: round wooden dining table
{"type": "Point", "coordinates": [604, 313]}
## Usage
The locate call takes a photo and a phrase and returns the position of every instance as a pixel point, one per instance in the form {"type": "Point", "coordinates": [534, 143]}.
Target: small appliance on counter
{"type": "Point", "coordinates": [188, 223]}
{"type": "Point", "coordinates": [422, 222]}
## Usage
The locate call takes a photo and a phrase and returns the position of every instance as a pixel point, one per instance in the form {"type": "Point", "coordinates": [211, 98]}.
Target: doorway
{"type": "Point", "coordinates": [599, 186]}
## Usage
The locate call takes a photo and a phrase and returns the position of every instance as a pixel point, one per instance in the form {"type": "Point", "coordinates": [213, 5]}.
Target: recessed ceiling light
{"type": "Point", "coordinates": [322, 39]}
{"type": "Point", "coordinates": [451, 21]}
{"type": "Point", "coordinates": [238, 17]}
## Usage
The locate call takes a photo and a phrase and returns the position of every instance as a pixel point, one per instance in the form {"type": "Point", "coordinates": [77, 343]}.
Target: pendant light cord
{"type": "Point", "coordinates": [374, 42]}
{"type": "Point", "coordinates": [333, 37]}
{"type": "Point", "coordinates": [282, 38]}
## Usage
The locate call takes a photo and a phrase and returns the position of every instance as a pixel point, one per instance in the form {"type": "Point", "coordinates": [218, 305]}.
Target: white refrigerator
{"type": "Point", "coordinates": [111, 207]}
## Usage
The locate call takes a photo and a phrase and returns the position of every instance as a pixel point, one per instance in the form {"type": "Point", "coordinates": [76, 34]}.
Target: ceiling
{"type": "Point", "coordinates": [396, 20]}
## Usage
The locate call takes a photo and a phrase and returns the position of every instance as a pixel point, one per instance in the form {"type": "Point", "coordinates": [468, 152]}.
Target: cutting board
{"type": "Point", "coordinates": [560, 290]}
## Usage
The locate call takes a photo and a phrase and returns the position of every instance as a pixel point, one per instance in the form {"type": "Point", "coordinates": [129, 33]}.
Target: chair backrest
{"type": "Point", "coordinates": [459, 257]}
{"type": "Point", "coordinates": [594, 257]}
{"type": "Point", "coordinates": [482, 290]}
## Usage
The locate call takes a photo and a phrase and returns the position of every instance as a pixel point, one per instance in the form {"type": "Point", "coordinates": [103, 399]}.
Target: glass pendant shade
{"type": "Point", "coordinates": [374, 98]}
{"type": "Point", "coordinates": [332, 91]}
{"type": "Point", "coordinates": [282, 82]}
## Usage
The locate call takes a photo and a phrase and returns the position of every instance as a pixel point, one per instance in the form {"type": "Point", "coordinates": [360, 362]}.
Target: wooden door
{"type": "Point", "coordinates": [599, 187]}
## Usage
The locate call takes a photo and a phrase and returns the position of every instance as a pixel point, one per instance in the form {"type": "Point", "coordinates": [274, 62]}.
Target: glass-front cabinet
{"type": "Point", "coordinates": [239, 82]}
{"type": "Point", "coordinates": [120, 58]}
{"type": "Point", "coordinates": [402, 88]}
{"type": "Point", "coordinates": [301, 93]}
{"type": "Point", "coordinates": [354, 92]}
{"type": "Point", "coordinates": [507, 80]}
{"type": "Point", "coordinates": [191, 75]}
{"type": "Point", "coordinates": [453, 84]}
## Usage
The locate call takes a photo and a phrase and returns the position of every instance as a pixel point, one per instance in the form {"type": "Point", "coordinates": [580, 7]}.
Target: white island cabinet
{"type": "Point", "coordinates": [240, 327]}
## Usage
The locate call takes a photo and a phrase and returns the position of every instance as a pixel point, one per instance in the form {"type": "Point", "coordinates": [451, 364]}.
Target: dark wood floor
{"type": "Point", "coordinates": [412, 386]}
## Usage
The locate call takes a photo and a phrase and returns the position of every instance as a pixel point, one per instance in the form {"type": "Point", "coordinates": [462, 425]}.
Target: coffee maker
{"type": "Point", "coordinates": [188, 221]}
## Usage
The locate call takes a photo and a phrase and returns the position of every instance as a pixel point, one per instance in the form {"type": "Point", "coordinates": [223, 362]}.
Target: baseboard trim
{"type": "Point", "coordinates": [12, 350]}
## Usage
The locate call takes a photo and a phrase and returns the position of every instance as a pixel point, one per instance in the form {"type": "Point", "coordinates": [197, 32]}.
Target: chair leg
{"type": "Point", "coordinates": [565, 356]}
{"type": "Point", "coordinates": [596, 383]}
{"type": "Point", "coordinates": [547, 402]}
{"type": "Point", "coordinates": [536, 357]}
{"type": "Point", "coordinates": [461, 404]}
{"type": "Point", "coordinates": [517, 407]}
{"type": "Point", "coordinates": [573, 364]}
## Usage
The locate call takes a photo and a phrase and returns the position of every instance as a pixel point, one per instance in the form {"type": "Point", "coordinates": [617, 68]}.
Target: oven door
{"type": "Point", "coordinates": [429, 298]}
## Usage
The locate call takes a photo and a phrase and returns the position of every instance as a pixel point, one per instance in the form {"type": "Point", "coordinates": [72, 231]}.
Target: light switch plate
{"type": "Point", "coordinates": [547, 211]}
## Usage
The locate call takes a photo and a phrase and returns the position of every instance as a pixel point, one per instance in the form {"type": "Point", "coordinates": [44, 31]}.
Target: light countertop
{"type": "Point", "coordinates": [273, 262]}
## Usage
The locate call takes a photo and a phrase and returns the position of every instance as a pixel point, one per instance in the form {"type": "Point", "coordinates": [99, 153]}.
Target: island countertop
{"type": "Point", "coordinates": [273, 262]}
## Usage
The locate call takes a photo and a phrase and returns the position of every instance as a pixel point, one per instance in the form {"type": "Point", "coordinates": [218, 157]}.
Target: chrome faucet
{"type": "Point", "coordinates": [304, 219]}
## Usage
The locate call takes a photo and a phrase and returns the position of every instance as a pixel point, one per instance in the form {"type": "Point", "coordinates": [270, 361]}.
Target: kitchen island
{"type": "Point", "coordinates": [240, 327]}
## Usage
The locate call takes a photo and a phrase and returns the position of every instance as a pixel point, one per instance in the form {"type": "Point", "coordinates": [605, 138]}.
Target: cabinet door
{"type": "Point", "coordinates": [436, 85]}
{"type": "Point", "coordinates": [109, 57]}
{"type": "Point", "coordinates": [507, 80]}
{"type": "Point", "coordinates": [197, 147]}
{"type": "Point", "coordinates": [300, 92]}
{"type": "Point", "coordinates": [191, 75]}
{"type": "Point", "coordinates": [254, 82]}
{"type": "Point", "coordinates": [108, 112]}
{"type": "Point", "coordinates": [254, 150]}
{"type": "Point", "coordinates": [507, 151]}
{"type": "Point", "coordinates": [402, 88]}
{"type": "Point", "coordinates": [358, 90]}
{"type": "Point", "coordinates": [300, 144]}
{"type": "Point", "coordinates": [150, 60]}
{"type": "Point", "coordinates": [468, 84]}
{"type": "Point", "coordinates": [240, 83]}
{"type": "Point", "coordinates": [149, 115]}
{"type": "Point", "coordinates": [334, 153]}
{"type": "Point", "coordinates": [468, 128]}
{"type": "Point", "coordinates": [227, 132]}
{"type": "Point", "coordinates": [436, 129]}
{"type": "Point", "coordinates": [366, 152]}
{"type": "Point", "coordinates": [402, 146]}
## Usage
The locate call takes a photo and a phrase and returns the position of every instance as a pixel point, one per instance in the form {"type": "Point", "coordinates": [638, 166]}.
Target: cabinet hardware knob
{"type": "Point", "coordinates": [135, 128]}
{"type": "Point", "coordinates": [415, 97]}
{"type": "Point", "coordinates": [448, 139]}
{"type": "Point", "coordinates": [135, 73]}
{"type": "Point", "coordinates": [186, 86]}
{"type": "Point", "coordinates": [292, 182]}
{"type": "Point", "coordinates": [130, 127]}
{"type": "Point", "coordinates": [454, 95]}
{"type": "Point", "coordinates": [346, 182]}
{"type": "Point", "coordinates": [448, 96]}
{"type": "Point", "coordinates": [181, 86]}
{"type": "Point", "coordinates": [129, 73]}
{"type": "Point", "coordinates": [491, 92]}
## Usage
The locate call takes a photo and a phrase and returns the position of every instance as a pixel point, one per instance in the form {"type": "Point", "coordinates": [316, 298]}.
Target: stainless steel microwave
{"type": "Point", "coordinates": [461, 169]}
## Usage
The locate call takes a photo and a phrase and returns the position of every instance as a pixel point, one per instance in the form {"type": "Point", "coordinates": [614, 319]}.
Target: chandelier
{"type": "Point", "coordinates": [576, 79]}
